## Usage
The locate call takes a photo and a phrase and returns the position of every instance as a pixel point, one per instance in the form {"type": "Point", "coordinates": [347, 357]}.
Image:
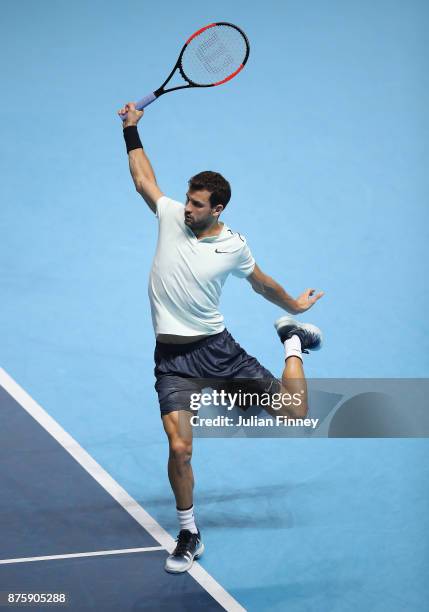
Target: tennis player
{"type": "Point", "coordinates": [195, 254]}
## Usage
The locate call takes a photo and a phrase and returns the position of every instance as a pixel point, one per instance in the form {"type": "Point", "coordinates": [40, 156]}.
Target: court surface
{"type": "Point", "coordinates": [68, 528]}
{"type": "Point", "coordinates": [339, 530]}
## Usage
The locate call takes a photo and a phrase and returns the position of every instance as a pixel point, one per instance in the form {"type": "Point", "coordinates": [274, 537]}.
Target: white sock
{"type": "Point", "coordinates": [187, 520]}
{"type": "Point", "coordinates": [293, 347]}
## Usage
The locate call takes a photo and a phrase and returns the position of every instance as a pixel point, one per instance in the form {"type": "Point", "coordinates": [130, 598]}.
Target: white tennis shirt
{"type": "Point", "coordinates": [188, 274]}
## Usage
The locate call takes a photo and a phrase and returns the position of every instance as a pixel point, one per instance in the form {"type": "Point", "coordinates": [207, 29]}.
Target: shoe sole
{"type": "Point", "coordinates": [197, 555]}
{"type": "Point", "coordinates": [291, 322]}
{"type": "Point", "coordinates": [283, 321]}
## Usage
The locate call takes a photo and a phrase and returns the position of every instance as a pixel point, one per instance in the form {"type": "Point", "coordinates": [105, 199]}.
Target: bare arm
{"type": "Point", "coordinates": [140, 167]}
{"type": "Point", "coordinates": [273, 292]}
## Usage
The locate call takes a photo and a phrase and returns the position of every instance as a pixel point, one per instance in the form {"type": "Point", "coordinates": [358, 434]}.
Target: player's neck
{"type": "Point", "coordinates": [213, 230]}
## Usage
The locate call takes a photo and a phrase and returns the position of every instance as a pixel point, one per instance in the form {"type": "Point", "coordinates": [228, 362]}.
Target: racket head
{"type": "Point", "coordinates": [213, 55]}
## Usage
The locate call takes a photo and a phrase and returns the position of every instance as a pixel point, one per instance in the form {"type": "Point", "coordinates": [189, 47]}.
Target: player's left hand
{"type": "Point", "coordinates": [307, 299]}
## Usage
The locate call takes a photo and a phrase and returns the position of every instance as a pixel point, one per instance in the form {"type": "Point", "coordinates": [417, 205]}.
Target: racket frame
{"type": "Point", "coordinates": [178, 66]}
{"type": "Point", "coordinates": [160, 91]}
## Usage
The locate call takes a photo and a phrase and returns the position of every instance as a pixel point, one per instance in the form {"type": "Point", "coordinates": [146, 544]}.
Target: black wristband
{"type": "Point", "coordinates": [132, 138]}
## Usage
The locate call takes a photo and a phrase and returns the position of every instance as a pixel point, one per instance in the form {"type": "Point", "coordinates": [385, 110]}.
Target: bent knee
{"type": "Point", "coordinates": [299, 410]}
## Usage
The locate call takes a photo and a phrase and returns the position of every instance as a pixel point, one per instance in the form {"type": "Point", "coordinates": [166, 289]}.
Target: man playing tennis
{"type": "Point", "coordinates": [194, 256]}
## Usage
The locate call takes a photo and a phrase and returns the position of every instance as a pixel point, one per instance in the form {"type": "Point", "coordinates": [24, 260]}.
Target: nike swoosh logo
{"type": "Point", "coordinates": [217, 251]}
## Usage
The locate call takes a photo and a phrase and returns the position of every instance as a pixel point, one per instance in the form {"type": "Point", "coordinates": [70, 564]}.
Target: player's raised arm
{"type": "Point", "coordinates": [140, 167]}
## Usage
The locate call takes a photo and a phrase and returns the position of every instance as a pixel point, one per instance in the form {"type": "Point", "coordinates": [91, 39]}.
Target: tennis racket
{"type": "Point", "coordinates": [212, 56]}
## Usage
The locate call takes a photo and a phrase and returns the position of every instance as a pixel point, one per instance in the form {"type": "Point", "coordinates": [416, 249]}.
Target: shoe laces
{"type": "Point", "coordinates": [183, 540]}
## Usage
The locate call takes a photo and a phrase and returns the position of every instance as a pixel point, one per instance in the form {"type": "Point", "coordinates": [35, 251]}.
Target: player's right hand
{"type": "Point", "coordinates": [133, 116]}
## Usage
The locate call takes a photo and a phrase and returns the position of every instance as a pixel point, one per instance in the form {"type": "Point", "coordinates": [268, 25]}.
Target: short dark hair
{"type": "Point", "coordinates": [220, 189]}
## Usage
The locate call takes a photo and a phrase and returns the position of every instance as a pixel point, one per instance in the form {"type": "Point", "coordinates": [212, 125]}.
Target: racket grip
{"type": "Point", "coordinates": [141, 104]}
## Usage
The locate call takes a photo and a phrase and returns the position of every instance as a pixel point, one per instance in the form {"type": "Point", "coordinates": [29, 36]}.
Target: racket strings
{"type": "Point", "coordinates": [214, 55]}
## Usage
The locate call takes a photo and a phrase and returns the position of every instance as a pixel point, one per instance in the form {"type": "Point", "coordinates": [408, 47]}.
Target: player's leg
{"type": "Point", "coordinates": [189, 545]}
{"type": "Point", "coordinates": [174, 384]}
{"type": "Point", "coordinates": [179, 432]}
{"type": "Point", "coordinates": [293, 384]}
{"type": "Point", "coordinates": [175, 374]}
{"type": "Point", "coordinates": [297, 338]}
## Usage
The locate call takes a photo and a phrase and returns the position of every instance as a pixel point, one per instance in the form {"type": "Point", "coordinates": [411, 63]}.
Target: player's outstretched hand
{"type": "Point", "coordinates": [133, 116]}
{"type": "Point", "coordinates": [307, 299]}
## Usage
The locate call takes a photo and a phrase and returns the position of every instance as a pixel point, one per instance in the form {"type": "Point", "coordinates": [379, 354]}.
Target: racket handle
{"type": "Point", "coordinates": [141, 104]}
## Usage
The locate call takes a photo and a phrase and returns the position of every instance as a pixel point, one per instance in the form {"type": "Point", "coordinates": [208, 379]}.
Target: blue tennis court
{"type": "Point", "coordinates": [350, 526]}
{"type": "Point", "coordinates": [69, 529]}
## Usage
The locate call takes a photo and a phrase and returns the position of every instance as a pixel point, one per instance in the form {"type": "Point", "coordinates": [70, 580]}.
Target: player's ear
{"type": "Point", "coordinates": [218, 209]}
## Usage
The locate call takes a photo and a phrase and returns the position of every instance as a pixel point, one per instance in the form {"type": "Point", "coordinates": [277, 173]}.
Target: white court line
{"type": "Point", "coordinates": [114, 489]}
{"type": "Point", "coordinates": [97, 553]}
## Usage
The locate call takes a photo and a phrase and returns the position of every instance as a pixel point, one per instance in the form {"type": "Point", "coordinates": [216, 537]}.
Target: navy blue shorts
{"type": "Point", "coordinates": [184, 369]}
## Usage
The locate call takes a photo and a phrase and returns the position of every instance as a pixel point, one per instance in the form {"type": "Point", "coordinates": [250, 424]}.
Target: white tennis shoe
{"type": "Point", "coordinates": [310, 335]}
{"type": "Point", "coordinates": [189, 547]}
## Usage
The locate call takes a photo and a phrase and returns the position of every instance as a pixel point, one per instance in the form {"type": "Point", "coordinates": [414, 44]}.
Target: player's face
{"type": "Point", "coordinates": [199, 214]}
